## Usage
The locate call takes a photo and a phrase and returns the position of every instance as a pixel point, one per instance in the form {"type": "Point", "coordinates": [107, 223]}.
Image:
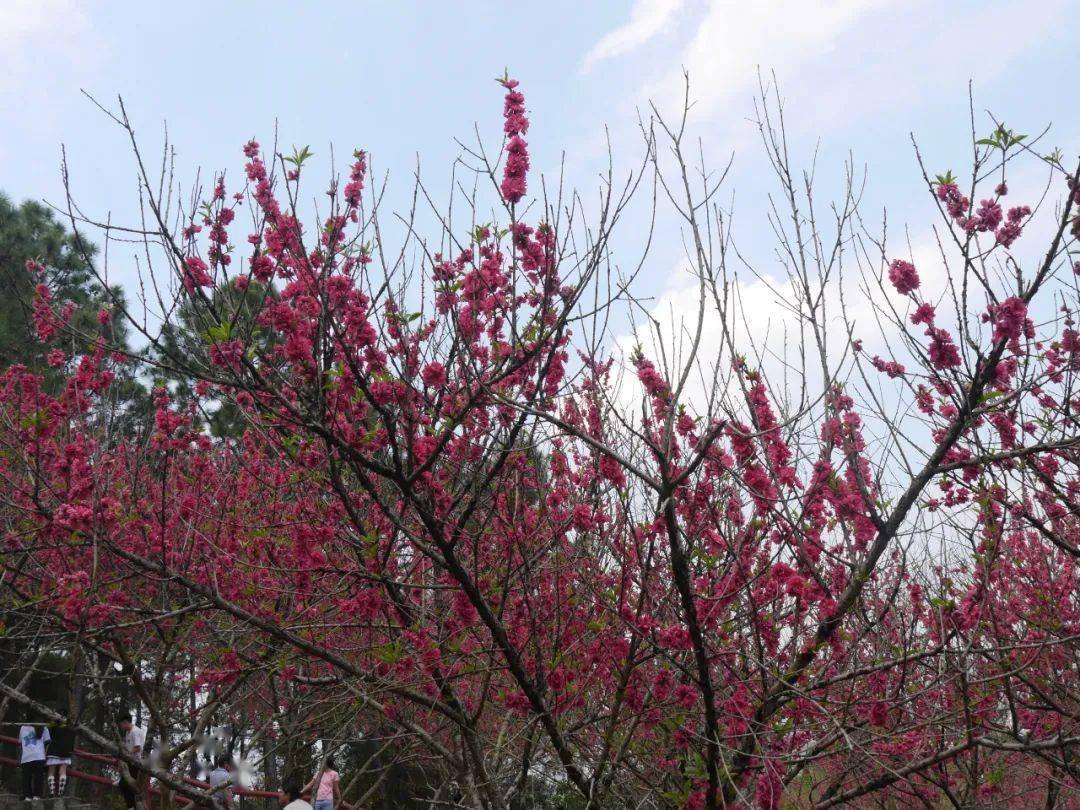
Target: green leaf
{"type": "Point", "coordinates": [1054, 157]}
{"type": "Point", "coordinates": [784, 726]}
{"type": "Point", "coordinates": [299, 156]}
{"type": "Point", "coordinates": [389, 653]}
{"type": "Point", "coordinates": [991, 395]}
{"type": "Point", "coordinates": [219, 333]}
{"type": "Point", "coordinates": [1002, 138]}
{"type": "Point", "coordinates": [34, 421]}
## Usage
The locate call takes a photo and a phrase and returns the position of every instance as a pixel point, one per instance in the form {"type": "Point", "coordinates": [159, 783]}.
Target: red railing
{"type": "Point", "coordinates": [89, 777]}
{"type": "Point", "coordinates": [155, 790]}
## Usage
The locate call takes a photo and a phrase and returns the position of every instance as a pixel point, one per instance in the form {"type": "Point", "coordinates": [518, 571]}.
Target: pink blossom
{"type": "Point", "coordinates": [923, 314]}
{"type": "Point", "coordinates": [194, 274]}
{"type": "Point", "coordinates": [434, 375]}
{"type": "Point", "coordinates": [517, 167]}
{"type": "Point", "coordinates": [355, 185]}
{"type": "Point", "coordinates": [651, 379]}
{"type": "Point", "coordinates": [675, 637]}
{"type": "Point", "coordinates": [228, 354]}
{"type": "Point", "coordinates": [889, 367]}
{"type": "Point", "coordinates": [611, 470]}
{"type": "Point", "coordinates": [955, 203]}
{"type": "Point", "coordinates": [262, 267]}
{"type": "Point", "coordinates": [903, 276]}
{"type": "Point", "coordinates": [1010, 231]}
{"type": "Point", "coordinates": [879, 713]}
{"type": "Point", "coordinates": [1009, 317]}
{"type": "Point", "coordinates": [685, 695]}
{"type": "Point", "coordinates": [988, 216]}
{"type": "Point", "coordinates": [517, 153]}
{"type": "Point", "coordinates": [943, 351]}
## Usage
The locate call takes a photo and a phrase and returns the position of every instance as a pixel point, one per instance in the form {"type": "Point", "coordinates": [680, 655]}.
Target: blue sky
{"type": "Point", "coordinates": [404, 79]}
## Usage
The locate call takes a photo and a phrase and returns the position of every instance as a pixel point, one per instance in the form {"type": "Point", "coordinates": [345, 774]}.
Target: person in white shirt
{"type": "Point", "coordinates": [292, 795]}
{"type": "Point", "coordinates": [32, 742]}
{"type": "Point", "coordinates": [220, 780]}
{"type": "Point", "coordinates": [133, 738]}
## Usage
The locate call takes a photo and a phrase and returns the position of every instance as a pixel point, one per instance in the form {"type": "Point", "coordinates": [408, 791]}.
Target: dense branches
{"type": "Point", "coordinates": [436, 514]}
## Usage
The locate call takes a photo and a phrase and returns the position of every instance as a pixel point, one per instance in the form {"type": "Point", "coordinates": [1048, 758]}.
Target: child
{"type": "Point", "coordinates": [32, 741]}
{"type": "Point", "coordinates": [59, 752]}
{"type": "Point", "coordinates": [326, 787]}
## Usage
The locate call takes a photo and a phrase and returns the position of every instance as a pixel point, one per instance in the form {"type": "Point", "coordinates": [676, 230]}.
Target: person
{"type": "Point", "coordinates": [58, 755]}
{"type": "Point", "coordinates": [325, 787]}
{"type": "Point", "coordinates": [132, 738]}
{"type": "Point", "coordinates": [293, 799]}
{"type": "Point", "coordinates": [32, 741]}
{"type": "Point", "coordinates": [220, 780]}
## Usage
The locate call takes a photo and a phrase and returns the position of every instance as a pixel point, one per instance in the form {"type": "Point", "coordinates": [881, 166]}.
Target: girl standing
{"type": "Point", "coordinates": [325, 787]}
{"type": "Point", "coordinates": [58, 756]}
{"type": "Point", "coordinates": [32, 741]}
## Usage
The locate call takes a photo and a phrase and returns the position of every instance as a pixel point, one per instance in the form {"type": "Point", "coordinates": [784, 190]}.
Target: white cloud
{"type": "Point", "coordinates": [837, 61]}
{"type": "Point", "coordinates": [733, 38]}
{"type": "Point", "coordinates": [761, 313]}
{"type": "Point", "coordinates": [923, 53]}
{"type": "Point", "coordinates": [762, 326]}
{"type": "Point", "coordinates": [874, 65]}
{"type": "Point", "coordinates": [647, 19]}
{"type": "Point", "coordinates": [39, 41]}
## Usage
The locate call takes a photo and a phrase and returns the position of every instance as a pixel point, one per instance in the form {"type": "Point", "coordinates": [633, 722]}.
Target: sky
{"type": "Point", "coordinates": [403, 80]}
